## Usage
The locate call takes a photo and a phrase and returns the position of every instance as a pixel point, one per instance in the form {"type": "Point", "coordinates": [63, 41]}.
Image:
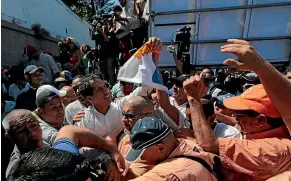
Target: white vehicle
{"type": "Point", "coordinates": [265, 23]}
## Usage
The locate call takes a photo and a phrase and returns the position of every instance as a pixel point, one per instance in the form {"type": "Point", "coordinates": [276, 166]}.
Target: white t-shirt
{"type": "Point", "coordinates": [182, 116]}
{"type": "Point", "coordinates": [222, 130]}
{"type": "Point", "coordinates": [106, 124]}
{"type": "Point", "coordinates": [128, 12]}
{"type": "Point", "coordinates": [14, 90]}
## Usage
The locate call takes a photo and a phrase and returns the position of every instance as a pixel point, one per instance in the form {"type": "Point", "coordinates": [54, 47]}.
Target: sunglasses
{"type": "Point", "coordinates": [249, 113]}
{"type": "Point", "coordinates": [289, 77]}
{"type": "Point", "coordinates": [134, 115]}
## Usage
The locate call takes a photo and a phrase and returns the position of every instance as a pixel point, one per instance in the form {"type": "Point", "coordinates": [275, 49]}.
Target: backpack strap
{"type": "Point", "coordinates": [119, 137]}
{"type": "Point", "coordinates": [201, 161]}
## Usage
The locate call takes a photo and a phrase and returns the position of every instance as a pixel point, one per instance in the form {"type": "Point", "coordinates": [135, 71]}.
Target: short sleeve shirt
{"type": "Point", "coordinates": [66, 144]}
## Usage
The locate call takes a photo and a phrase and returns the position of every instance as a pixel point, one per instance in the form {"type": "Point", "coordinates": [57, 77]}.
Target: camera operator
{"type": "Point", "coordinates": [109, 50]}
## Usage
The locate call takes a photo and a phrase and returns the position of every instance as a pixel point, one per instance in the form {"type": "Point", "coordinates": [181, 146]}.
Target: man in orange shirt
{"type": "Point", "coordinates": [266, 149]}
{"type": "Point", "coordinates": [174, 159]}
{"type": "Point", "coordinates": [134, 109]}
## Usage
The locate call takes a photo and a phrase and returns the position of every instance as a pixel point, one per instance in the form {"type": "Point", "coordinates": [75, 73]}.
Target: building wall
{"type": "Point", "coordinates": [14, 38]}
{"type": "Point", "coordinates": [53, 15]}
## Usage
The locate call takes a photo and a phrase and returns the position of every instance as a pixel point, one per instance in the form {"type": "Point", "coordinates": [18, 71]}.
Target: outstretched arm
{"type": "Point", "coordinates": [272, 80]}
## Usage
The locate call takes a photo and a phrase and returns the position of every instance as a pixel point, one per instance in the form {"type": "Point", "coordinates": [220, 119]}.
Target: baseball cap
{"type": "Point", "coordinates": [30, 69]}
{"type": "Point", "coordinates": [29, 50]}
{"type": "Point", "coordinates": [221, 98]}
{"type": "Point", "coordinates": [46, 93]}
{"type": "Point", "coordinates": [67, 75]}
{"type": "Point", "coordinates": [251, 77]}
{"type": "Point", "coordinates": [255, 98]}
{"type": "Point", "coordinates": [146, 132]}
{"type": "Point", "coordinates": [179, 80]}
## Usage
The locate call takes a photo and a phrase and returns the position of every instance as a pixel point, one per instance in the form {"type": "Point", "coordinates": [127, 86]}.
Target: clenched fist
{"type": "Point", "coordinates": [193, 87]}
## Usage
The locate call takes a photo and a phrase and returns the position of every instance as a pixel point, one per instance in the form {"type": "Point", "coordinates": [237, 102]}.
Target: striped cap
{"type": "Point", "coordinates": [146, 132]}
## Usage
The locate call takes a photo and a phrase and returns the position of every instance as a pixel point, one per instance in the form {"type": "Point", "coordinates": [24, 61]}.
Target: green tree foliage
{"type": "Point", "coordinates": [83, 8]}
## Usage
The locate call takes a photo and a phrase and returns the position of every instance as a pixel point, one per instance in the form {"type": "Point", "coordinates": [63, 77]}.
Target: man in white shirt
{"type": "Point", "coordinates": [42, 60]}
{"type": "Point", "coordinates": [103, 116]}
{"type": "Point", "coordinates": [175, 106]}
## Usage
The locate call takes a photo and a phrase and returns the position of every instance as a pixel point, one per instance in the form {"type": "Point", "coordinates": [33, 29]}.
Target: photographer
{"type": "Point", "coordinates": [109, 49]}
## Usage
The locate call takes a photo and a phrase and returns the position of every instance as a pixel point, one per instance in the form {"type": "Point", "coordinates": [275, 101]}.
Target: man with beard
{"type": "Point", "coordinates": [104, 116]}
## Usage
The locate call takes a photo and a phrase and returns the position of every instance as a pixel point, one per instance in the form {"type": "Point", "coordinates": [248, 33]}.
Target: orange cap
{"type": "Point", "coordinates": [255, 98]}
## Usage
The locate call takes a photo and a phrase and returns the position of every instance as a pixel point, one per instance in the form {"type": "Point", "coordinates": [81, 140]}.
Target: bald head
{"type": "Point", "coordinates": [70, 95]}
{"type": "Point", "coordinates": [14, 117]}
{"type": "Point", "coordinates": [138, 103]}
{"type": "Point", "coordinates": [67, 88]}
{"type": "Point", "coordinates": [22, 126]}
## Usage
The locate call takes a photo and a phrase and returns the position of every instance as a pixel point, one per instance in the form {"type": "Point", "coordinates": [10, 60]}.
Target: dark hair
{"type": "Point", "coordinates": [85, 88]}
{"type": "Point", "coordinates": [211, 71]}
{"type": "Point", "coordinates": [47, 164]}
{"type": "Point", "coordinates": [208, 108]}
{"type": "Point", "coordinates": [117, 8]}
{"type": "Point", "coordinates": [275, 122]}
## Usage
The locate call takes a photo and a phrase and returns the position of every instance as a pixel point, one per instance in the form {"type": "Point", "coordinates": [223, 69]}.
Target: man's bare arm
{"type": "Point", "coordinates": [171, 110]}
{"type": "Point", "coordinates": [226, 119]}
{"type": "Point", "coordinates": [203, 133]}
{"type": "Point", "coordinates": [84, 137]}
{"type": "Point", "coordinates": [277, 86]}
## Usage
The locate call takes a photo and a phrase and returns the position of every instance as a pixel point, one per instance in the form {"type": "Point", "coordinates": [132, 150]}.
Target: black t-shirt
{"type": "Point", "coordinates": [111, 48]}
{"type": "Point", "coordinates": [26, 100]}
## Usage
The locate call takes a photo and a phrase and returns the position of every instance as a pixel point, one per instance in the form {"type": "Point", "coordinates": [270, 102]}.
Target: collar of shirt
{"type": "Point", "coordinates": [281, 132]}
{"type": "Point", "coordinates": [33, 88]}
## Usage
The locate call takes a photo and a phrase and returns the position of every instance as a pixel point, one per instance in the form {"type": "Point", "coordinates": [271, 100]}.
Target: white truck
{"type": "Point", "coordinates": [265, 23]}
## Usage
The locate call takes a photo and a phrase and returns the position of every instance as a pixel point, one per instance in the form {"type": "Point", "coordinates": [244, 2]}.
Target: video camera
{"type": "Point", "coordinates": [97, 22]}
{"type": "Point", "coordinates": [183, 36]}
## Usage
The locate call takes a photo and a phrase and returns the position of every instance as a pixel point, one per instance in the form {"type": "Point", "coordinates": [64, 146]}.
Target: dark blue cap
{"type": "Point", "coordinates": [220, 99]}
{"type": "Point", "coordinates": [146, 132]}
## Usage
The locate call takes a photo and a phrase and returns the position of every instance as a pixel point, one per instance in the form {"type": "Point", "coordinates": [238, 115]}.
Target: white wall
{"type": "Point", "coordinates": [53, 15]}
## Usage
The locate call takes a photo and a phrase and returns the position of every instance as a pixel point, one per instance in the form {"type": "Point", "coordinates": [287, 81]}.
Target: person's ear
{"type": "Point", "coordinates": [161, 147]}
{"type": "Point", "coordinates": [260, 120]}
{"type": "Point", "coordinates": [40, 111]}
{"type": "Point", "coordinates": [89, 99]}
{"type": "Point", "coordinates": [7, 136]}
{"type": "Point", "coordinates": [26, 77]}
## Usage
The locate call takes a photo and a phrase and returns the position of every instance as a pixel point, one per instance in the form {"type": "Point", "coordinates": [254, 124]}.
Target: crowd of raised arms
{"type": "Point", "coordinates": [61, 122]}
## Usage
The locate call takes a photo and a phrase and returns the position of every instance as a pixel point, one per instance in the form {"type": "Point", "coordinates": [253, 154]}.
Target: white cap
{"type": "Point", "coordinates": [46, 93]}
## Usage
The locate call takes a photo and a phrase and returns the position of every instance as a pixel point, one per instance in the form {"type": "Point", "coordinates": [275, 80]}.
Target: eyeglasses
{"type": "Point", "coordinates": [289, 77]}
{"type": "Point", "coordinates": [134, 115]}
{"type": "Point", "coordinates": [249, 113]}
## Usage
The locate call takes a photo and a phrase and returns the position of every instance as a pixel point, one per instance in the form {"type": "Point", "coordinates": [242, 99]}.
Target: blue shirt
{"type": "Point", "coordinates": [66, 144]}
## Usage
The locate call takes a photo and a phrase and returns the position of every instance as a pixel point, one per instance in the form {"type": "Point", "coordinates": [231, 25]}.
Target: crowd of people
{"type": "Point", "coordinates": [227, 125]}
{"type": "Point", "coordinates": [60, 122]}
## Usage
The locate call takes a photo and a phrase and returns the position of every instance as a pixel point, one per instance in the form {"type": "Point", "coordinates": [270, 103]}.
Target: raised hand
{"type": "Point", "coordinates": [248, 57]}
{"type": "Point", "coordinates": [193, 87]}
